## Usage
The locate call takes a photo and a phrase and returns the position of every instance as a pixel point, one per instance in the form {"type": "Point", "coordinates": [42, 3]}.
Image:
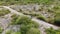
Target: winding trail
{"type": "Point", "coordinates": [41, 23]}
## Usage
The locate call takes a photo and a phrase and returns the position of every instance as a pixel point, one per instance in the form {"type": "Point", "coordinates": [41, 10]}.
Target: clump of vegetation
{"type": "Point", "coordinates": [8, 32]}
{"type": "Point", "coordinates": [57, 15]}
{"type": "Point", "coordinates": [11, 32]}
{"type": "Point", "coordinates": [52, 31]}
{"type": "Point", "coordinates": [41, 17]}
{"type": "Point", "coordinates": [16, 33]}
{"type": "Point", "coordinates": [33, 31]}
{"type": "Point", "coordinates": [25, 24]}
{"type": "Point", "coordinates": [57, 19]}
{"type": "Point", "coordinates": [1, 29]}
{"type": "Point", "coordinates": [4, 12]}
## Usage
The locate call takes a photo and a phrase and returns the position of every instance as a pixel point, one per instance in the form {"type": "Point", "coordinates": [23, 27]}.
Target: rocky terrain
{"type": "Point", "coordinates": [5, 20]}
{"type": "Point", "coordinates": [29, 16]}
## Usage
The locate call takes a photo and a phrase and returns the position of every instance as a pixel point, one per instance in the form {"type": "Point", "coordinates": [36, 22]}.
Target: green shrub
{"type": "Point", "coordinates": [1, 29]}
{"type": "Point", "coordinates": [33, 31]}
{"type": "Point", "coordinates": [8, 32]}
{"type": "Point", "coordinates": [52, 31]}
{"type": "Point", "coordinates": [57, 15]}
{"type": "Point", "coordinates": [26, 28]}
{"type": "Point", "coordinates": [41, 17]}
{"type": "Point", "coordinates": [16, 33]}
{"type": "Point", "coordinates": [57, 19]}
{"type": "Point", "coordinates": [25, 24]}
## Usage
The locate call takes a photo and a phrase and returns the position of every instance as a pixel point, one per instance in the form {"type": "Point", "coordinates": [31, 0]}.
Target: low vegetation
{"type": "Point", "coordinates": [13, 2]}
{"type": "Point", "coordinates": [57, 15]}
{"type": "Point", "coordinates": [52, 31]}
{"type": "Point", "coordinates": [4, 12]}
{"type": "Point", "coordinates": [1, 29]}
{"type": "Point", "coordinates": [26, 25]}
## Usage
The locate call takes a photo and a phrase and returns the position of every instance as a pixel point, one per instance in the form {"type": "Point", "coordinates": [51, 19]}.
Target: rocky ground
{"type": "Point", "coordinates": [4, 21]}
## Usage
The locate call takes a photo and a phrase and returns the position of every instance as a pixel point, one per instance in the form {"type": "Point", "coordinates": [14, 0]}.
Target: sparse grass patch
{"type": "Point", "coordinates": [4, 12]}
